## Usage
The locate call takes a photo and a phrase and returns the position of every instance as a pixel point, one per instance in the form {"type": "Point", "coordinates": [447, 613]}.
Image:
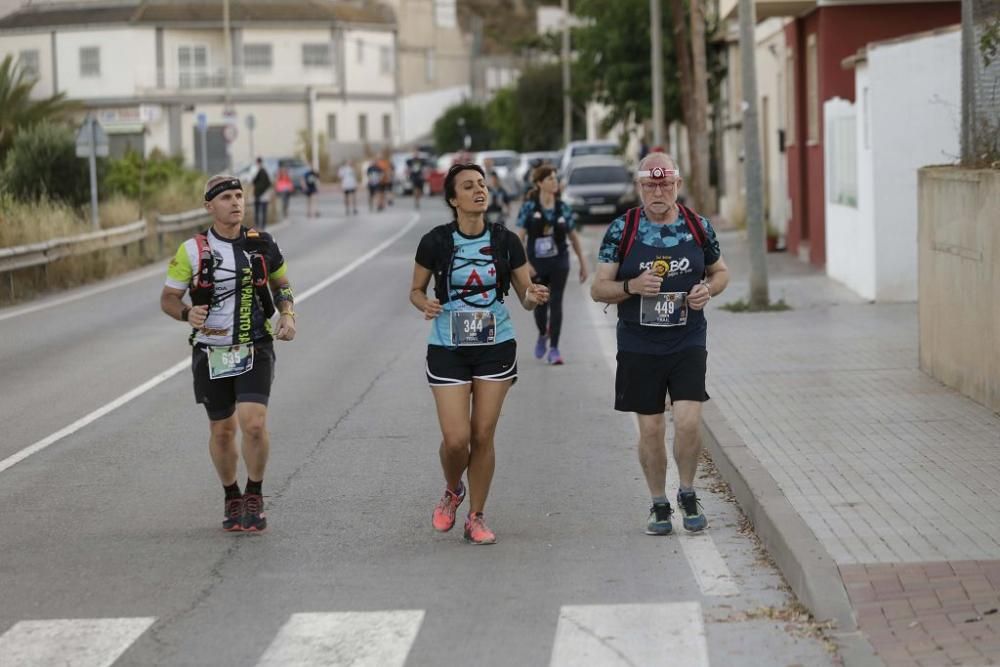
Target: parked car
{"type": "Point", "coordinates": [531, 160]}
{"type": "Point", "coordinates": [401, 176]}
{"type": "Point", "coordinates": [435, 179]}
{"type": "Point", "coordinates": [504, 163]}
{"type": "Point", "coordinates": [575, 149]}
{"type": "Point", "coordinates": [297, 168]}
{"type": "Point", "coordinates": [598, 188]}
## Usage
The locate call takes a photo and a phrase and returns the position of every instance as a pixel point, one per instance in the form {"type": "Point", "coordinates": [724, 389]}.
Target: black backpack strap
{"type": "Point", "coordinates": [628, 233]}
{"type": "Point", "coordinates": [693, 221]}
{"type": "Point", "coordinates": [500, 240]}
{"type": "Point", "coordinates": [444, 248]}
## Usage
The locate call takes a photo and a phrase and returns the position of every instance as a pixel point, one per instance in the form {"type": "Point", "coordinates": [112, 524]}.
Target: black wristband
{"type": "Point", "coordinates": [185, 311]}
{"type": "Point", "coordinates": [625, 287]}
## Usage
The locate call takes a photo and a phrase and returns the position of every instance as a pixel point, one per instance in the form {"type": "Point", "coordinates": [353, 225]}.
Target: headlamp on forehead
{"type": "Point", "coordinates": [658, 172]}
{"type": "Point", "coordinates": [219, 188]}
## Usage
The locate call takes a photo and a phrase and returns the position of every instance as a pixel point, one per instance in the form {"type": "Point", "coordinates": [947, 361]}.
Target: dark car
{"type": "Point", "coordinates": [598, 188]}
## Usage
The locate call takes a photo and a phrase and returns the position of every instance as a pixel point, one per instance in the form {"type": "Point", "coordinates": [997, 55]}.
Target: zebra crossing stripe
{"type": "Point", "coordinates": [630, 634]}
{"type": "Point", "coordinates": [358, 639]}
{"type": "Point", "coordinates": [77, 642]}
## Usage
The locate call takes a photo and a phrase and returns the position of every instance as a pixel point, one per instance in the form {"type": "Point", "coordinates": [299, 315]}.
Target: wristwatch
{"type": "Point", "coordinates": [625, 287]}
{"type": "Point", "coordinates": [185, 311]}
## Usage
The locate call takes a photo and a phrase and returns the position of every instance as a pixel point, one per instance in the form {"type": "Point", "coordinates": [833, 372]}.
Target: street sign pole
{"type": "Point", "coordinates": [92, 135]}
{"type": "Point", "coordinates": [203, 137]}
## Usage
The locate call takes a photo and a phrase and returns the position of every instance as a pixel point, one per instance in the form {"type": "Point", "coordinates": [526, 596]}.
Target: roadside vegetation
{"type": "Point", "coordinates": [45, 190]}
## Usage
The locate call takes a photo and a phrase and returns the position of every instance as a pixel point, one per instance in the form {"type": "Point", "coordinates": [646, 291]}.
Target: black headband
{"type": "Point", "coordinates": [219, 188]}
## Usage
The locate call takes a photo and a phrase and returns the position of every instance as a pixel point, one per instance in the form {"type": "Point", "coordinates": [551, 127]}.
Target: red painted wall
{"type": "Point", "coordinates": [841, 32]}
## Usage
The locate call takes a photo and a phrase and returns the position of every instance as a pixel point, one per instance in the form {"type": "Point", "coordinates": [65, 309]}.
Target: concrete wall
{"type": "Point", "coordinates": [13, 45]}
{"type": "Point", "coordinates": [902, 122]}
{"type": "Point", "coordinates": [959, 286]}
{"type": "Point", "coordinates": [420, 110]}
{"type": "Point", "coordinates": [119, 76]}
{"type": "Point", "coordinates": [914, 121]}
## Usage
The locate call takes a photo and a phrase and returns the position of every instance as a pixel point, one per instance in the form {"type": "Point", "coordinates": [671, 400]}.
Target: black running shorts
{"type": "Point", "coordinates": [461, 365]}
{"type": "Point", "coordinates": [643, 381]}
{"type": "Point", "coordinates": [221, 396]}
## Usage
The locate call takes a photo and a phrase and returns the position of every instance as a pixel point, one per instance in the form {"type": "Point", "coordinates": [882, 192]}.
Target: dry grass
{"type": "Point", "coordinates": [175, 197]}
{"type": "Point", "coordinates": [117, 211]}
{"type": "Point", "coordinates": [22, 223]}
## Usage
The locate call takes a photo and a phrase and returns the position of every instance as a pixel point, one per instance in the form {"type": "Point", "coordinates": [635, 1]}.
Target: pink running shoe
{"type": "Point", "coordinates": [444, 513]}
{"type": "Point", "coordinates": [476, 531]}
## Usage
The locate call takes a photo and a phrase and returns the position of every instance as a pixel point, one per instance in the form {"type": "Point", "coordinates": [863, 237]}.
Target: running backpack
{"type": "Point", "coordinates": [444, 257]}
{"type": "Point", "coordinates": [632, 228]}
{"type": "Point", "coordinates": [537, 221]}
{"type": "Point", "coordinates": [202, 288]}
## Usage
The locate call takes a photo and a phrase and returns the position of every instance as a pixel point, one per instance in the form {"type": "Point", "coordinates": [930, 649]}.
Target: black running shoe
{"type": "Point", "coordinates": [253, 512]}
{"type": "Point", "coordinates": [694, 518]}
{"type": "Point", "coordinates": [233, 521]}
{"type": "Point", "coordinates": [659, 522]}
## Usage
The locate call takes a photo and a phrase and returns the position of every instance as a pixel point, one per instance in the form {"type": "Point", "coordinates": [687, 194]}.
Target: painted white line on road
{"type": "Point", "coordinates": [358, 639]}
{"type": "Point", "coordinates": [79, 642]}
{"type": "Point", "coordinates": [160, 378]}
{"type": "Point", "coordinates": [630, 634]}
{"type": "Point", "coordinates": [710, 570]}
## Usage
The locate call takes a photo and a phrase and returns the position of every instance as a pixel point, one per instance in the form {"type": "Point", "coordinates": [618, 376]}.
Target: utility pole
{"type": "Point", "coordinates": [759, 298]}
{"type": "Point", "coordinates": [227, 106]}
{"type": "Point", "coordinates": [567, 102]}
{"type": "Point", "coordinates": [656, 60]}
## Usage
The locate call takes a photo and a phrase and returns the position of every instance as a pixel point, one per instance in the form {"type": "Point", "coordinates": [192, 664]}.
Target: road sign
{"type": "Point", "coordinates": [202, 122]}
{"type": "Point", "coordinates": [83, 139]}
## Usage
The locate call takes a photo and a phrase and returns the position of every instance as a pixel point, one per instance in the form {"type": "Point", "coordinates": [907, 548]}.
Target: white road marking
{"type": "Point", "coordinates": [629, 635]}
{"type": "Point", "coordinates": [160, 378]}
{"type": "Point", "coordinates": [358, 639]}
{"type": "Point", "coordinates": [79, 642]}
{"type": "Point", "coordinates": [710, 570]}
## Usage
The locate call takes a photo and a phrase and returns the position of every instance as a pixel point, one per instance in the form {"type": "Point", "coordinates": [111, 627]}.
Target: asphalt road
{"type": "Point", "coordinates": [110, 546]}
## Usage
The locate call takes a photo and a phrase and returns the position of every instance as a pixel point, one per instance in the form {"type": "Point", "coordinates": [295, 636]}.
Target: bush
{"type": "Point", "coordinates": [42, 162]}
{"type": "Point", "coordinates": [448, 134]}
{"type": "Point", "coordinates": [145, 180]}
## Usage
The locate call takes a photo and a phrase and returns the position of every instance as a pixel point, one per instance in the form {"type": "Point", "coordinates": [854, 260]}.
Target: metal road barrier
{"type": "Point", "coordinates": [46, 252]}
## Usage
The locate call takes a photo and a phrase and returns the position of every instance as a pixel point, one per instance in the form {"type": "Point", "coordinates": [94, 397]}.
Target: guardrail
{"type": "Point", "coordinates": [39, 254]}
{"type": "Point", "coordinates": [140, 231]}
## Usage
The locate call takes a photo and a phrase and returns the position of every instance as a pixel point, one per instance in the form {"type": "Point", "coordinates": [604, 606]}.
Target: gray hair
{"type": "Point", "coordinates": [652, 158]}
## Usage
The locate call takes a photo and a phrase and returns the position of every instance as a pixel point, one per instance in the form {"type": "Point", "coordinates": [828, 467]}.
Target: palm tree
{"type": "Point", "coordinates": [18, 111]}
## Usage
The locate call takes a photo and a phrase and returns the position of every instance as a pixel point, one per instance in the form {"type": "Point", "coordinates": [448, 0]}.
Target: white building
{"type": "Point", "coordinates": [151, 69]}
{"type": "Point", "coordinates": [907, 116]}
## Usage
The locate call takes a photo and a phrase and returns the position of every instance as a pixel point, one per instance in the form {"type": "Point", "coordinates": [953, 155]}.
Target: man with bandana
{"type": "Point", "coordinates": [661, 264]}
{"type": "Point", "coordinates": [236, 279]}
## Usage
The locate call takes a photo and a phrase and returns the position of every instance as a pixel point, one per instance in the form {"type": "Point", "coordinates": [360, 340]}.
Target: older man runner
{"type": "Point", "coordinates": [235, 278]}
{"type": "Point", "coordinates": [661, 264]}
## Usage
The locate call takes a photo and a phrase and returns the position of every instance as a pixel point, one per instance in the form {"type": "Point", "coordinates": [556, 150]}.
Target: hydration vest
{"type": "Point", "coordinates": [256, 245]}
{"type": "Point", "coordinates": [444, 259]}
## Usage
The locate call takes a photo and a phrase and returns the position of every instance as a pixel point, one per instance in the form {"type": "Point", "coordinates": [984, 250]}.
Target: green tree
{"type": "Point", "coordinates": [448, 131]}
{"type": "Point", "coordinates": [42, 162]}
{"type": "Point", "coordinates": [504, 118]}
{"type": "Point", "coordinates": [613, 62]}
{"type": "Point", "coordinates": [539, 100]}
{"type": "Point", "coordinates": [18, 111]}
{"type": "Point", "coordinates": [141, 178]}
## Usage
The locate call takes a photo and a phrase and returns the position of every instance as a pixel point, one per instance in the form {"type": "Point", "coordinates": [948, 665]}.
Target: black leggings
{"type": "Point", "coordinates": [555, 280]}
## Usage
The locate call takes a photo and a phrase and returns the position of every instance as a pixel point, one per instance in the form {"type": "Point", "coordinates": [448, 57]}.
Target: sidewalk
{"type": "Point", "coordinates": [875, 487]}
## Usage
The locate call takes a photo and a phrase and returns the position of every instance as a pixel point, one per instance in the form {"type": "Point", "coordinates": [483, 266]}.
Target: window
{"type": "Point", "coordinates": [362, 127]}
{"type": "Point", "coordinates": [865, 115]}
{"type": "Point", "coordinates": [387, 126]}
{"type": "Point", "coordinates": [841, 157]}
{"type": "Point", "coordinates": [429, 66]}
{"type": "Point", "coordinates": [361, 51]}
{"type": "Point", "coordinates": [317, 55]}
{"type": "Point", "coordinates": [599, 176]}
{"type": "Point", "coordinates": [257, 56]}
{"type": "Point", "coordinates": [790, 105]}
{"type": "Point", "coordinates": [331, 126]}
{"type": "Point", "coordinates": [444, 13]}
{"type": "Point", "coordinates": [385, 60]}
{"type": "Point", "coordinates": [812, 90]}
{"type": "Point", "coordinates": [90, 61]}
{"type": "Point", "coordinates": [192, 66]}
{"type": "Point", "coordinates": [28, 63]}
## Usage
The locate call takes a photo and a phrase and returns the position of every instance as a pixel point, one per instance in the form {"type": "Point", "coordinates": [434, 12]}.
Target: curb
{"type": "Point", "coordinates": [802, 559]}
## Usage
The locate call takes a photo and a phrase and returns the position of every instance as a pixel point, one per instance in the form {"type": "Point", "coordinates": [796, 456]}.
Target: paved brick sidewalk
{"type": "Point", "coordinates": [896, 475]}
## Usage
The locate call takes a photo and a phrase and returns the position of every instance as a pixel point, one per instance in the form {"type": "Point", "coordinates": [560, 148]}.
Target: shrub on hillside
{"type": "Point", "coordinates": [143, 179]}
{"type": "Point", "coordinates": [42, 162]}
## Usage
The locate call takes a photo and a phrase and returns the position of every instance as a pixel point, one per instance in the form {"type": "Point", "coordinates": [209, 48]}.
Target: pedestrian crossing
{"type": "Point", "coordinates": [606, 635]}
